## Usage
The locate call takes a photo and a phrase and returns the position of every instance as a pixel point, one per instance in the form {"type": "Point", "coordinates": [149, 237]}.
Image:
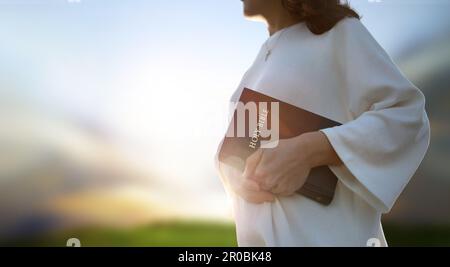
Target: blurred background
{"type": "Point", "coordinates": [111, 112]}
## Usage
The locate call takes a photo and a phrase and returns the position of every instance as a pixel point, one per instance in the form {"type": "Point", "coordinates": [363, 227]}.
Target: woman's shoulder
{"type": "Point", "coordinates": [346, 29]}
{"type": "Point", "coordinates": [348, 24]}
{"type": "Point", "coordinates": [351, 29]}
{"type": "Point", "coordinates": [351, 34]}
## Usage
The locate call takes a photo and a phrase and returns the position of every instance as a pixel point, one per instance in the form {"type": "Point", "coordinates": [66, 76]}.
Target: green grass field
{"type": "Point", "coordinates": [178, 233]}
{"type": "Point", "coordinates": [213, 234]}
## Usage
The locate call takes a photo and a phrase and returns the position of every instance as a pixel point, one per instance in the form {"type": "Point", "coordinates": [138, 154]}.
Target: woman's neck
{"type": "Point", "coordinates": [279, 21]}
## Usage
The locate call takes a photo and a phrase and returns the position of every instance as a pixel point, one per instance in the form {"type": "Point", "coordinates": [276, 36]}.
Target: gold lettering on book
{"type": "Point", "coordinates": [262, 118]}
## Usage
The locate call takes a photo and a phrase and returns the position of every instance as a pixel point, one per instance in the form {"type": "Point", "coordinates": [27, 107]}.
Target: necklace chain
{"type": "Point", "coordinates": [266, 45]}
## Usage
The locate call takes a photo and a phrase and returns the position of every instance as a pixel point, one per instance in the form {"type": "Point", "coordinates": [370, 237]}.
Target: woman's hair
{"type": "Point", "coordinates": [319, 16]}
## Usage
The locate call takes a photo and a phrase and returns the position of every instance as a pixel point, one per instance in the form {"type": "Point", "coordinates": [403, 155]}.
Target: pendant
{"type": "Point", "coordinates": [268, 54]}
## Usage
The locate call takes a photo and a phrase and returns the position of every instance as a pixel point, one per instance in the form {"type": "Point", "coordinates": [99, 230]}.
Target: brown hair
{"type": "Point", "coordinates": [320, 16]}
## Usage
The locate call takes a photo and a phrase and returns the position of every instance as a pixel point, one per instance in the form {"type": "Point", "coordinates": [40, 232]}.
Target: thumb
{"type": "Point", "coordinates": [251, 163]}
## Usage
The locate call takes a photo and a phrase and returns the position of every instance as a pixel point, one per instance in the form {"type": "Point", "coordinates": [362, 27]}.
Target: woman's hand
{"type": "Point", "coordinates": [248, 189]}
{"type": "Point", "coordinates": [284, 169]}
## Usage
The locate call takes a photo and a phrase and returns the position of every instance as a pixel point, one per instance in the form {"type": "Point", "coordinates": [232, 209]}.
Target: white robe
{"type": "Point", "coordinates": [346, 76]}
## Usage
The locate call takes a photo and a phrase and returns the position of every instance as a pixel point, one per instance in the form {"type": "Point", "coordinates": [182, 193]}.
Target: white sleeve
{"type": "Point", "coordinates": [384, 144]}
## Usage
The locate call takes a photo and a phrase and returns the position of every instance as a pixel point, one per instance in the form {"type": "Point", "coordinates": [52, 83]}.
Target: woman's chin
{"type": "Point", "coordinates": [253, 17]}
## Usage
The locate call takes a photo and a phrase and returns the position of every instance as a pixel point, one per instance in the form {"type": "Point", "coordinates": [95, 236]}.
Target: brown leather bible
{"type": "Point", "coordinates": [292, 121]}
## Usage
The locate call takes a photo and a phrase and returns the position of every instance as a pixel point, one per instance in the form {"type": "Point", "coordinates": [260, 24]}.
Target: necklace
{"type": "Point", "coordinates": [269, 49]}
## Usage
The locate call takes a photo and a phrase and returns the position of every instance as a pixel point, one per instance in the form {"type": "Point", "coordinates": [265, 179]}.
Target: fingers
{"type": "Point", "coordinates": [266, 185]}
{"type": "Point", "coordinates": [251, 163]}
{"type": "Point", "coordinates": [263, 171]}
{"type": "Point", "coordinates": [283, 188]}
{"type": "Point", "coordinates": [250, 185]}
{"type": "Point", "coordinates": [266, 180]}
{"type": "Point", "coordinates": [248, 189]}
{"type": "Point", "coordinates": [257, 197]}
{"type": "Point", "coordinates": [251, 192]}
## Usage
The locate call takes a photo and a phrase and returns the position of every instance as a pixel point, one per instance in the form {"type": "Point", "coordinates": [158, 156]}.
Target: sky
{"type": "Point", "coordinates": [157, 74]}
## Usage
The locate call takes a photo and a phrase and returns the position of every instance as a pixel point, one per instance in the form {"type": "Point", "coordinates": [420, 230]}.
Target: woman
{"type": "Point", "coordinates": [321, 58]}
